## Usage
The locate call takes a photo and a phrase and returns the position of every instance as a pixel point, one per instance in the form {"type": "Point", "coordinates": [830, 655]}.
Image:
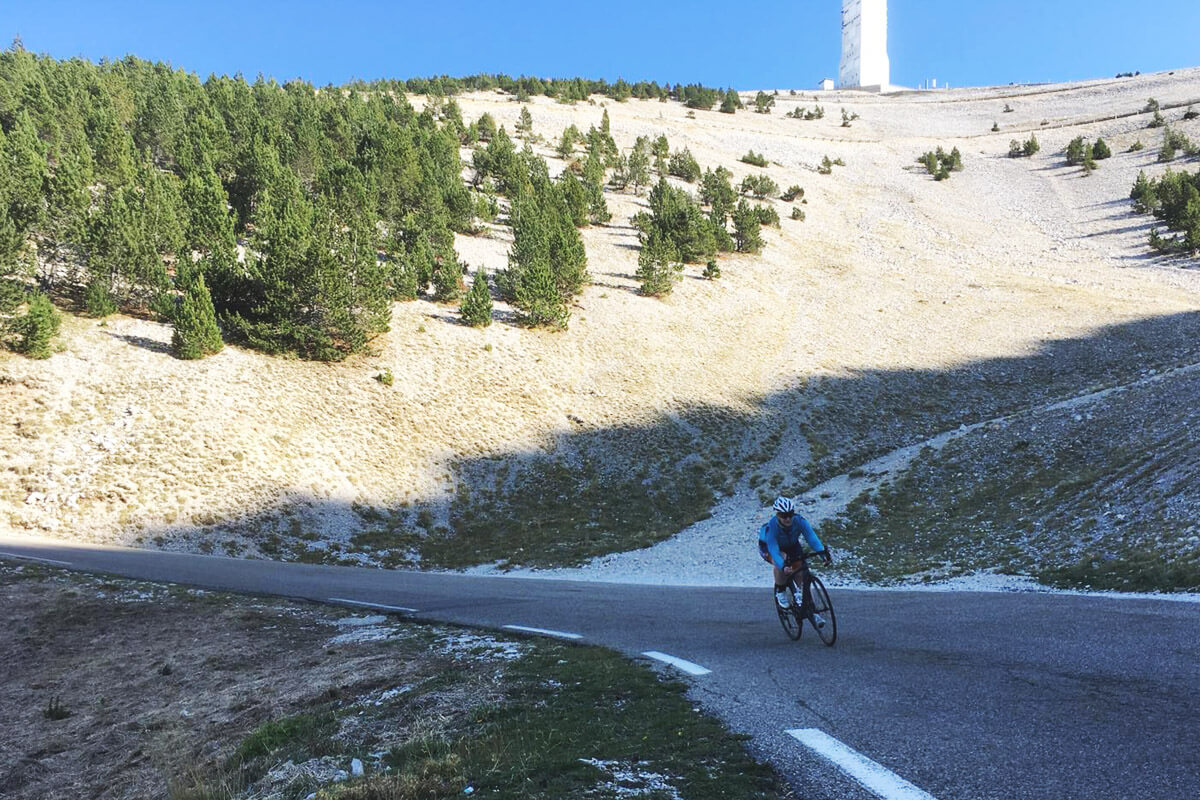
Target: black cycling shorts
{"type": "Point", "coordinates": [790, 554]}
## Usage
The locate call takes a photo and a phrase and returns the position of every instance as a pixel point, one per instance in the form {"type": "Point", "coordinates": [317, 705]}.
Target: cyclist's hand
{"type": "Point", "coordinates": [827, 556]}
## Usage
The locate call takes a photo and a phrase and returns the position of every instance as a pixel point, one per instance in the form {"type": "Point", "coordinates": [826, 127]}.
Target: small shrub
{"type": "Point", "coordinates": [1136, 146]}
{"type": "Point", "coordinates": [659, 266]}
{"type": "Point", "coordinates": [385, 377]}
{"type": "Point", "coordinates": [1075, 151]}
{"type": "Point", "coordinates": [682, 164]}
{"type": "Point", "coordinates": [1101, 150]}
{"type": "Point", "coordinates": [55, 710]}
{"type": "Point", "coordinates": [767, 216]}
{"type": "Point", "coordinates": [711, 270]}
{"type": "Point", "coordinates": [848, 118]}
{"type": "Point", "coordinates": [995, 127]}
{"type": "Point", "coordinates": [826, 167]}
{"type": "Point", "coordinates": [940, 164]}
{"type": "Point", "coordinates": [1191, 113]}
{"type": "Point", "coordinates": [476, 309]}
{"type": "Point", "coordinates": [36, 327]}
{"type": "Point", "coordinates": [98, 300]}
{"type": "Point", "coordinates": [1157, 120]}
{"type": "Point", "coordinates": [1168, 151]}
{"type": "Point", "coordinates": [1173, 198]}
{"type": "Point", "coordinates": [755, 159]}
{"type": "Point", "coordinates": [1151, 105]}
{"type": "Point", "coordinates": [794, 192]}
{"type": "Point", "coordinates": [1008, 109]}
{"type": "Point", "coordinates": [763, 103]}
{"type": "Point", "coordinates": [759, 185]}
{"type": "Point", "coordinates": [798, 214]}
{"type": "Point", "coordinates": [1175, 142]}
{"type": "Point", "coordinates": [1089, 159]}
{"type": "Point", "coordinates": [195, 333]}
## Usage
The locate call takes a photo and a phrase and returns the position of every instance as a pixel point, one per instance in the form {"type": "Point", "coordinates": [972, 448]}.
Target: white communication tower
{"type": "Point", "coordinates": [865, 62]}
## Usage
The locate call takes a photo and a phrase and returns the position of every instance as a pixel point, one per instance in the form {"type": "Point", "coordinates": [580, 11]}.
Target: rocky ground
{"type": "Point", "coordinates": [900, 308]}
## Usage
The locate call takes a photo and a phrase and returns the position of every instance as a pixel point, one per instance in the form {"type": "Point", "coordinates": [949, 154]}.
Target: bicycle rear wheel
{"type": "Point", "coordinates": [793, 626]}
{"type": "Point", "coordinates": [821, 604]}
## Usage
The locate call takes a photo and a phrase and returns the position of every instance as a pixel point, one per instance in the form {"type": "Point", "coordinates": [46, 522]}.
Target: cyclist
{"type": "Point", "coordinates": [779, 543]}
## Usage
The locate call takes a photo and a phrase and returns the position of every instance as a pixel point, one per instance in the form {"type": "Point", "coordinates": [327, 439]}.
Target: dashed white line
{"type": "Point", "coordinates": [544, 632]}
{"type": "Point", "coordinates": [372, 605]}
{"type": "Point", "coordinates": [870, 774]}
{"type": "Point", "coordinates": [678, 663]}
{"type": "Point", "coordinates": [35, 558]}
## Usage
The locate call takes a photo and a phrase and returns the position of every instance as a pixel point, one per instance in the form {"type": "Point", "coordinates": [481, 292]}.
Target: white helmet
{"type": "Point", "coordinates": [784, 505]}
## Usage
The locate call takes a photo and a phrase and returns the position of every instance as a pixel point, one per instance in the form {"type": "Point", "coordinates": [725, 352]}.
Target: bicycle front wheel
{"type": "Point", "coordinates": [793, 626]}
{"type": "Point", "coordinates": [821, 604]}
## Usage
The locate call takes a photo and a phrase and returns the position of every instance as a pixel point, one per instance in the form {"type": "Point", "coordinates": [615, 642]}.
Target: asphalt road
{"type": "Point", "coordinates": [955, 696]}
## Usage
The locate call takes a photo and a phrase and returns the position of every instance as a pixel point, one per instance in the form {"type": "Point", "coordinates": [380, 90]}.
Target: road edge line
{"type": "Point", "coordinates": [873, 775]}
{"type": "Point", "coordinates": [685, 666]}
{"type": "Point", "coordinates": [35, 558]}
{"type": "Point", "coordinates": [371, 605]}
{"type": "Point", "coordinates": [544, 632]}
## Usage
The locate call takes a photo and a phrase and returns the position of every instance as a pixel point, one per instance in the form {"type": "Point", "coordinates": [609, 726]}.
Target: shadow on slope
{"type": "Point", "coordinates": [598, 491]}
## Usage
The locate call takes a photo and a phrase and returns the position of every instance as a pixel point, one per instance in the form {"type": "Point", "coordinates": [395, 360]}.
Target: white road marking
{"type": "Point", "coordinates": [35, 558]}
{"type": "Point", "coordinates": [544, 632]}
{"type": "Point", "coordinates": [875, 777]}
{"type": "Point", "coordinates": [678, 663]}
{"type": "Point", "coordinates": [372, 605]}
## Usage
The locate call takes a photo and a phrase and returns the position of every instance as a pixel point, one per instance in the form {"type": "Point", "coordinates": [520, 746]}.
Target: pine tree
{"type": "Point", "coordinates": [447, 280]}
{"type": "Point", "coordinates": [487, 127]}
{"type": "Point", "coordinates": [162, 208]}
{"type": "Point", "coordinates": [638, 164]}
{"type": "Point", "coordinates": [547, 264]}
{"type": "Point", "coordinates": [207, 221]}
{"type": "Point", "coordinates": [476, 309]}
{"type": "Point", "coordinates": [122, 251]}
{"type": "Point", "coordinates": [67, 194]}
{"type": "Point", "coordinates": [575, 196]}
{"type": "Point", "coordinates": [593, 184]}
{"type": "Point", "coordinates": [746, 228]}
{"type": "Point", "coordinates": [658, 266]}
{"type": "Point", "coordinates": [566, 145]}
{"type": "Point", "coordinates": [27, 171]}
{"type": "Point", "coordinates": [196, 334]}
{"type": "Point", "coordinates": [524, 124]}
{"type": "Point", "coordinates": [97, 298]}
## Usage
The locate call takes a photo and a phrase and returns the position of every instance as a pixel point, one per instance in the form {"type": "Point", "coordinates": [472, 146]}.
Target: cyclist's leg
{"type": "Point", "coordinates": [806, 606]}
{"type": "Point", "coordinates": [781, 580]}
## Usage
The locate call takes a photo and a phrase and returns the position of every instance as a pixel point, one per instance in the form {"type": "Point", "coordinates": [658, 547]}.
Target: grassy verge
{"type": "Point", "coordinates": [577, 722]}
{"type": "Point", "coordinates": [570, 721]}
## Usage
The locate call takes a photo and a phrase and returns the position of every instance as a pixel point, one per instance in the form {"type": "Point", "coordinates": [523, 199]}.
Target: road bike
{"type": "Point", "coordinates": [794, 616]}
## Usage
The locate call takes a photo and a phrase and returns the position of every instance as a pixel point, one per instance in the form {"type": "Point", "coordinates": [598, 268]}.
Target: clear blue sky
{"type": "Point", "coordinates": [747, 44]}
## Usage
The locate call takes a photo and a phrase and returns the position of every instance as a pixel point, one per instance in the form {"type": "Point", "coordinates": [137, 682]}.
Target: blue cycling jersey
{"type": "Point", "coordinates": [779, 539]}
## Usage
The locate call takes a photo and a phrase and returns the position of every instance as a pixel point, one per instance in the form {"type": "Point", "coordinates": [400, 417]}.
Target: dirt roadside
{"type": "Point", "coordinates": [113, 689]}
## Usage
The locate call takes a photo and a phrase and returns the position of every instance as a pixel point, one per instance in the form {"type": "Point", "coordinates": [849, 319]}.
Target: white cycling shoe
{"type": "Point", "coordinates": [783, 598]}
{"type": "Point", "coordinates": [818, 621]}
